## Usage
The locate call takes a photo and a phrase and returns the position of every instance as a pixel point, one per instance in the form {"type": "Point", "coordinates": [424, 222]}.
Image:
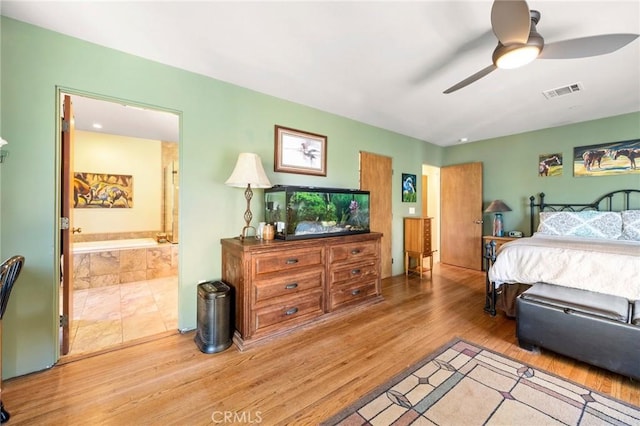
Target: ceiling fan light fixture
{"type": "Point", "coordinates": [514, 56]}
{"type": "Point", "coordinates": [518, 54]}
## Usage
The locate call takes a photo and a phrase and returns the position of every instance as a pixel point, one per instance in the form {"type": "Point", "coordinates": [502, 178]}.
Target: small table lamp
{"type": "Point", "coordinates": [497, 207]}
{"type": "Point", "coordinates": [248, 173]}
{"type": "Point", "coordinates": [3, 153]}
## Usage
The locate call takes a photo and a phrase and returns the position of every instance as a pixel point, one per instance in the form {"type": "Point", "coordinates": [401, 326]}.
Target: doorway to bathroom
{"type": "Point", "coordinates": [120, 184]}
{"type": "Point", "coordinates": [431, 205]}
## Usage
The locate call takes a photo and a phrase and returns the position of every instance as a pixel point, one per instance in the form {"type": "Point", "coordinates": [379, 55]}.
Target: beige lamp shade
{"type": "Point", "coordinates": [3, 153]}
{"type": "Point", "coordinates": [248, 171]}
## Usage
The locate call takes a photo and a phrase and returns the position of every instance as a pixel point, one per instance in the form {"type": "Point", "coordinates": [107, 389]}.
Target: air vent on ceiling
{"type": "Point", "coordinates": [564, 90]}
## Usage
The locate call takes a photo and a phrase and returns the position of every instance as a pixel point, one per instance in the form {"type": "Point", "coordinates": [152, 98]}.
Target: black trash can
{"type": "Point", "coordinates": [214, 317]}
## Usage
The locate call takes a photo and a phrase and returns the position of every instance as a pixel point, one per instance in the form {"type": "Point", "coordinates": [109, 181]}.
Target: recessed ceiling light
{"type": "Point", "coordinates": [97, 126]}
{"type": "Point", "coordinates": [463, 140]}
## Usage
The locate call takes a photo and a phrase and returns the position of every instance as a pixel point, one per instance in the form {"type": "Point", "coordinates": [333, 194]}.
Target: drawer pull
{"type": "Point", "coordinates": [291, 286]}
{"type": "Point", "coordinates": [355, 251]}
{"type": "Point", "coordinates": [355, 292]}
{"type": "Point", "coordinates": [291, 311]}
{"type": "Point", "coordinates": [355, 271]}
{"type": "Point", "coordinates": [291, 261]}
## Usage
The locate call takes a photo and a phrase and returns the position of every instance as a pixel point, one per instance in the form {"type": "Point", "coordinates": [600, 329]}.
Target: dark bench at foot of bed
{"type": "Point", "coordinates": [595, 328]}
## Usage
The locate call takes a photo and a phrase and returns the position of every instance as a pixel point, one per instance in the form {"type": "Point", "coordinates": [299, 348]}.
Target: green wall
{"type": "Point", "coordinates": [0, 121]}
{"type": "Point", "coordinates": [218, 120]}
{"type": "Point", "coordinates": [510, 166]}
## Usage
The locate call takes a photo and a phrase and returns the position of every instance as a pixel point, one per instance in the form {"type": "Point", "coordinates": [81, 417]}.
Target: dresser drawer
{"type": "Point", "coordinates": [283, 261]}
{"type": "Point", "coordinates": [298, 309]}
{"type": "Point", "coordinates": [352, 294]}
{"type": "Point", "coordinates": [427, 237]}
{"type": "Point", "coordinates": [356, 271]}
{"type": "Point", "coordinates": [288, 284]}
{"type": "Point", "coordinates": [353, 251]}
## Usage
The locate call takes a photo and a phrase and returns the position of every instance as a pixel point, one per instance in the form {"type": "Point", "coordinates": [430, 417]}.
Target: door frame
{"type": "Point", "coordinates": [431, 198]}
{"type": "Point", "coordinates": [66, 210]}
{"type": "Point", "coordinates": [59, 97]}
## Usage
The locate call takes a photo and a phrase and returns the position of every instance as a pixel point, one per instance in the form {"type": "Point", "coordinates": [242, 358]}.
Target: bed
{"type": "Point", "coordinates": [593, 247]}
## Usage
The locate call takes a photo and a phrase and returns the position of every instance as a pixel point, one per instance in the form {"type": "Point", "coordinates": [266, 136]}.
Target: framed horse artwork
{"type": "Point", "coordinates": [607, 159]}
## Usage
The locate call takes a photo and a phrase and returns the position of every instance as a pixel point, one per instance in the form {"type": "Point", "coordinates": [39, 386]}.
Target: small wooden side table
{"type": "Point", "coordinates": [417, 244]}
{"type": "Point", "coordinates": [419, 268]}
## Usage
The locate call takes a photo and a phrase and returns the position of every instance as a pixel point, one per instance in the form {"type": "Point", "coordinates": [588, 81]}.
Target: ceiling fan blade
{"type": "Point", "coordinates": [467, 81]}
{"type": "Point", "coordinates": [585, 47]}
{"type": "Point", "coordinates": [511, 21]}
{"type": "Point", "coordinates": [444, 62]}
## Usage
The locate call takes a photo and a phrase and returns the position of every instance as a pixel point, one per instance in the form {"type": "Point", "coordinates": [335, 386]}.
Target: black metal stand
{"type": "Point", "coordinates": [248, 194]}
{"type": "Point", "coordinates": [490, 287]}
{"type": "Point", "coordinates": [4, 414]}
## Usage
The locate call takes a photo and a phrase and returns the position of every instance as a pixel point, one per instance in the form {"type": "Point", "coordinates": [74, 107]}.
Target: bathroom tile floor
{"type": "Point", "coordinates": [109, 316]}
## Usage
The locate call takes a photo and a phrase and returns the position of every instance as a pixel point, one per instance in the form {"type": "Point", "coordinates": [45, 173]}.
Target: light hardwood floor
{"type": "Point", "coordinates": [300, 379]}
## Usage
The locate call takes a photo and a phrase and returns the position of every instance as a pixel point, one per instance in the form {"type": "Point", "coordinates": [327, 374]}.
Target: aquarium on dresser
{"type": "Point", "coordinates": [309, 212]}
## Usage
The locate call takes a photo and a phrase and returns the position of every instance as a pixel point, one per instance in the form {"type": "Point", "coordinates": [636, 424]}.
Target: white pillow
{"type": "Point", "coordinates": [630, 225]}
{"type": "Point", "coordinates": [589, 223]}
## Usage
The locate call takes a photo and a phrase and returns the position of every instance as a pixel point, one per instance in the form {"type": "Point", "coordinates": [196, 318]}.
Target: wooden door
{"type": "Point", "coordinates": [66, 231]}
{"type": "Point", "coordinates": [461, 215]}
{"type": "Point", "coordinates": [376, 176]}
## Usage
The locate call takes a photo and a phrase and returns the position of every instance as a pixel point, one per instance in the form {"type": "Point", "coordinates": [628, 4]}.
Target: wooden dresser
{"type": "Point", "coordinates": [417, 243]}
{"type": "Point", "coordinates": [281, 285]}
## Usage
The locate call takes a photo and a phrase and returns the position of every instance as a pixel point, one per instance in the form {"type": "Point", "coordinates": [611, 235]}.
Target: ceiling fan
{"type": "Point", "coordinates": [519, 43]}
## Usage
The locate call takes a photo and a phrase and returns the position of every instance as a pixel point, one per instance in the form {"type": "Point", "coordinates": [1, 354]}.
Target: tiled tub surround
{"type": "Point", "coordinates": [112, 266]}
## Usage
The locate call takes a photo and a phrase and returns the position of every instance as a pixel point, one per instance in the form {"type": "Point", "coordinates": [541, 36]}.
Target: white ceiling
{"type": "Point", "coordinates": [126, 120]}
{"type": "Point", "coordinates": [385, 63]}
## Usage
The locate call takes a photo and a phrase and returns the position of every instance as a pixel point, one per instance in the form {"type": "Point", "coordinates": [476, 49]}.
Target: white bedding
{"type": "Point", "coordinates": [603, 266]}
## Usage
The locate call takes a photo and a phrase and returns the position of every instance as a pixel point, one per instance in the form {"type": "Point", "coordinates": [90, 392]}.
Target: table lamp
{"type": "Point", "coordinates": [497, 207]}
{"type": "Point", "coordinates": [248, 173]}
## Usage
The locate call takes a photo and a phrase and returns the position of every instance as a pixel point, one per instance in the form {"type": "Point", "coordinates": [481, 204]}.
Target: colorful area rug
{"type": "Point", "coordinates": [464, 384]}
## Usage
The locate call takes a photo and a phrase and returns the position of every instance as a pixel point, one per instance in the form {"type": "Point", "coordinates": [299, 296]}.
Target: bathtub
{"type": "Point", "coordinates": [106, 263]}
{"type": "Point", "coordinates": [96, 246]}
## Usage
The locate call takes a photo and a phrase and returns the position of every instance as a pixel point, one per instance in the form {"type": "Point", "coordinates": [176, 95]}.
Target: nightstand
{"type": "Point", "coordinates": [499, 240]}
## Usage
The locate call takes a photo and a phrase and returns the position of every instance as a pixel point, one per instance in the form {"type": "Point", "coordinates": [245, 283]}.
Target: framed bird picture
{"type": "Point", "coordinates": [300, 152]}
{"type": "Point", "coordinates": [409, 188]}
